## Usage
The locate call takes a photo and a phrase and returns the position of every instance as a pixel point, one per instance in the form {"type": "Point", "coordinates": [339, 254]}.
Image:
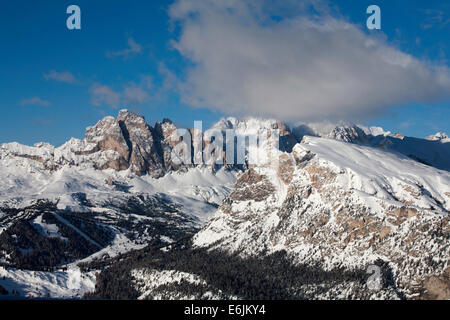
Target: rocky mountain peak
{"type": "Point", "coordinates": [437, 137]}
{"type": "Point", "coordinates": [350, 133]}
{"type": "Point", "coordinates": [132, 119]}
{"type": "Point", "coordinates": [131, 139]}
{"type": "Point", "coordinates": [346, 132]}
{"type": "Point", "coordinates": [107, 135]}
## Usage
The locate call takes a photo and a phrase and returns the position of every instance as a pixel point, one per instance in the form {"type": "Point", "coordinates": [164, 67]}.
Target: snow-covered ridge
{"type": "Point", "coordinates": [341, 205]}
{"type": "Point", "coordinates": [438, 136]}
{"type": "Point", "coordinates": [433, 151]}
{"type": "Point", "coordinates": [373, 171]}
{"type": "Point", "coordinates": [129, 143]}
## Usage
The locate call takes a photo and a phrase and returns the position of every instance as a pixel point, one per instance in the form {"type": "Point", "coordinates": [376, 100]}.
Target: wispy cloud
{"type": "Point", "coordinates": [132, 94]}
{"type": "Point", "coordinates": [435, 19]}
{"type": "Point", "coordinates": [35, 101]}
{"type": "Point", "coordinates": [41, 122]}
{"type": "Point", "coordinates": [170, 80]}
{"type": "Point", "coordinates": [133, 49]}
{"type": "Point", "coordinates": [406, 124]}
{"type": "Point", "coordinates": [64, 76]}
{"type": "Point", "coordinates": [104, 95]}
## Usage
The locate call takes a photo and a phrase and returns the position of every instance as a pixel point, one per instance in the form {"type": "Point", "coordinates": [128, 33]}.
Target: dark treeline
{"type": "Point", "coordinates": [30, 250]}
{"type": "Point", "coordinates": [24, 245]}
{"type": "Point", "coordinates": [272, 276]}
{"type": "Point", "coordinates": [3, 291]}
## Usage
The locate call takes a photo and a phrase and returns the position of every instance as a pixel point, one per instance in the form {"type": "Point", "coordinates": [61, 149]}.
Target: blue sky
{"type": "Point", "coordinates": [56, 82]}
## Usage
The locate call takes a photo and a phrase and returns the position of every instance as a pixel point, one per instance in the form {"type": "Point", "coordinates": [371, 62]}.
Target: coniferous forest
{"type": "Point", "coordinates": [268, 277]}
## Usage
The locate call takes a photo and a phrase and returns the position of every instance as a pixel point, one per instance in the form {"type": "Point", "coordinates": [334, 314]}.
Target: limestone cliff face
{"type": "Point", "coordinates": [168, 138]}
{"type": "Point", "coordinates": [107, 135]}
{"type": "Point", "coordinates": [129, 142]}
{"type": "Point", "coordinates": [143, 153]}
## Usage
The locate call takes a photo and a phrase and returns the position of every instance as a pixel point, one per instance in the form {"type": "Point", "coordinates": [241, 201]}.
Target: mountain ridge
{"type": "Point", "coordinates": [336, 205]}
{"type": "Point", "coordinates": [129, 142]}
{"type": "Point", "coordinates": [334, 199]}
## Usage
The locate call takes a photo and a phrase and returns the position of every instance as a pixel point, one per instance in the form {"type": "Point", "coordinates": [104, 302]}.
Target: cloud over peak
{"type": "Point", "coordinates": [301, 67]}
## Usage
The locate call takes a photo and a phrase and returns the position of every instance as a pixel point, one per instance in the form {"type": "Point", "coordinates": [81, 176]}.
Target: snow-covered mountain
{"type": "Point", "coordinates": [433, 151]}
{"type": "Point", "coordinates": [336, 205]}
{"type": "Point", "coordinates": [438, 136]}
{"type": "Point", "coordinates": [340, 196]}
{"type": "Point", "coordinates": [112, 192]}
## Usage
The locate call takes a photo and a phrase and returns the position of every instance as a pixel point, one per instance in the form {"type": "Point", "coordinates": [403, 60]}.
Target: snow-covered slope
{"type": "Point", "coordinates": [110, 193]}
{"type": "Point", "coordinates": [433, 151]}
{"type": "Point", "coordinates": [338, 204]}
{"type": "Point", "coordinates": [124, 212]}
{"type": "Point", "coordinates": [60, 284]}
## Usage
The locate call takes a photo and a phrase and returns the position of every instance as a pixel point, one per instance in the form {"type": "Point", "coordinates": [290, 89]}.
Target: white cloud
{"type": "Point", "coordinates": [133, 49]}
{"type": "Point", "coordinates": [64, 76]}
{"type": "Point", "coordinates": [35, 101]}
{"type": "Point", "coordinates": [104, 95]}
{"type": "Point", "coordinates": [133, 94]}
{"type": "Point", "coordinates": [297, 68]}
